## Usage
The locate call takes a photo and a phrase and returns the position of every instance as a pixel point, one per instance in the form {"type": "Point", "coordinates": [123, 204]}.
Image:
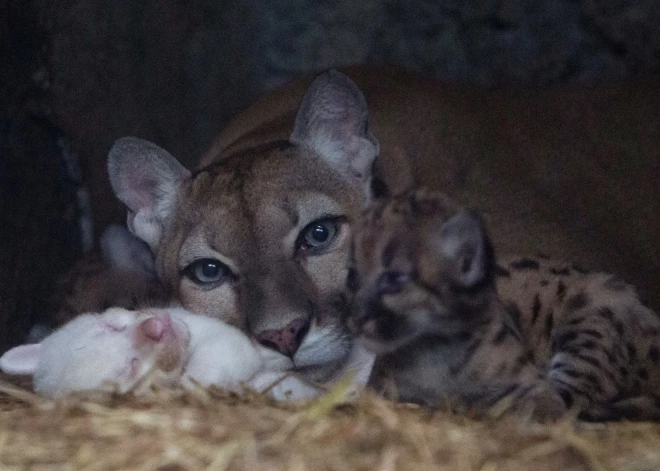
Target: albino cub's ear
{"type": "Point", "coordinates": [124, 251]}
{"type": "Point", "coordinates": [146, 179]}
{"type": "Point", "coordinates": [332, 121]}
{"type": "Point", "coordinates": [21, 360]}
{"type": "Point", "coordinates": [465, 249]}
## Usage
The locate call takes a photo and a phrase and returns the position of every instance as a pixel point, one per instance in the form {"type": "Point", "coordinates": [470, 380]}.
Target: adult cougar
{"type": "Point", "coordinates": [260, 234]}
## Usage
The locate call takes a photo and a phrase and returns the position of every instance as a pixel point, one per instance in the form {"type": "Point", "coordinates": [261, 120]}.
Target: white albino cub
{"type": "Point", "coordinates": [122, 351]}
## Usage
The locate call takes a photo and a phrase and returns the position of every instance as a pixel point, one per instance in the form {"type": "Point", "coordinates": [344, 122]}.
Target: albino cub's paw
{"type": "Point", "coordinates": [283, 386]}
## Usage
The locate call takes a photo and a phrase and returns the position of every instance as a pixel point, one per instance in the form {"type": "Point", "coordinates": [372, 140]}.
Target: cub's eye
{"type": "Point", "coordinates": [114, 327]}
{"type": "Point", "coordinates": [207, 271]}
{"type": "Point", "coordinates": [318, 235]}
{"type": "Point", "coordinates": [353, 280]}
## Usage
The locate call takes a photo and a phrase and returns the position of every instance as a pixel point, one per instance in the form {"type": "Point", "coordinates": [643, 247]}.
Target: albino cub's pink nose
{"type": "Point", "coordinates": [287, 340]}
{"type": "Point", "coordinates": [157, 326]}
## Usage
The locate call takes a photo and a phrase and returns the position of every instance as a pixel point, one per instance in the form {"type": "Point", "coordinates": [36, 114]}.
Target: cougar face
{"type": "Point", "coordinates": [261, 239]}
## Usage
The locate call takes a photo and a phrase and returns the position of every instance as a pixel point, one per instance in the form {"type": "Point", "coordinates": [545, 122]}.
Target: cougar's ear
{"type": "Point", "coordinates": [21, 360]}
{"type": "Point", "coordinates": [465, 249]}
{"type": "Point", "coordinates": [124, 251]}
{"type": "Point", "coordinates": [332, 121]}
{"type": "Point", "coordinates": [146, 179]}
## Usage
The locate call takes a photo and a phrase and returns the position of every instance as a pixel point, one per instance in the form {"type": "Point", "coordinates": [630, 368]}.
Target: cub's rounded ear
{"type": "Point", "coordinates": [465, 249]}
{"type": "Point", "coordinates": [333, 121]}
{"type": "Point", "coordinates": [21, 360]}
{"type": "Point", "coordinates": [147, 180]}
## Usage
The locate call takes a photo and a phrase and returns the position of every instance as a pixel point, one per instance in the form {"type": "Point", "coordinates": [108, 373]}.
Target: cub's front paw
{"type": "Point", "coordinates": [283, 386]}
{"type": "Point", "coordinates": [542, 405]}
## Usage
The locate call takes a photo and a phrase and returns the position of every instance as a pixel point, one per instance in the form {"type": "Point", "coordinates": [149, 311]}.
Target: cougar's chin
{"type": "Point", "coordinates": [323, 352]}
{"type": "Point", "coordinates": [321, 373]}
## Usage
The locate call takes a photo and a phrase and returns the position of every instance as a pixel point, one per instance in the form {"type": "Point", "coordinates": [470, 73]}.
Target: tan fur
{"type": "Point", "coordinates": [568, 170]}
{"type": "Point", "coordinates": [253, 195]}
{"type": "Point", "coordinates": [550, 329]}
{"type": "Point", "coordinates": [562, 308]}
{"type": "Point", "coordinates": [254, 231]}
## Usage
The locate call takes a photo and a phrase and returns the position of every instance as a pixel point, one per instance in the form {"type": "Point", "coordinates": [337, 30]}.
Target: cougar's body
{"type": "Point", "coordinates": [570, 170]}
{"type": "Point", "coordinates": [259, 234]}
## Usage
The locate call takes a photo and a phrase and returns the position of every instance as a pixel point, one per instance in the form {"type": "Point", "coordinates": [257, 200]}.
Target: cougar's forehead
{"type": "Point", "coordinates": [252, 206]}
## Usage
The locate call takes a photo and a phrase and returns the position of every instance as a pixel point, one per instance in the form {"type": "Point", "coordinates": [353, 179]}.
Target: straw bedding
{"type": "Point", "coordinates": [215, 430]}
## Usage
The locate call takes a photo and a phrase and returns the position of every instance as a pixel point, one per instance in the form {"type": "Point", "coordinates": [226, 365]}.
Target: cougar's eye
{"type": "Point", "coordinates": [318, 235]}
{"type": "Point", "coordinates": [207, 271]}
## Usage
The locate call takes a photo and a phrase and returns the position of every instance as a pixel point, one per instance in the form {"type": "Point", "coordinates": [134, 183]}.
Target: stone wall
{"type": "Point", "coordinates": [174, 72]}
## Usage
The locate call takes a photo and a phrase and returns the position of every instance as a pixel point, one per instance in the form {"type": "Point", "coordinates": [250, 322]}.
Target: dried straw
{"type": "Point", "coordinates": [215, 430]}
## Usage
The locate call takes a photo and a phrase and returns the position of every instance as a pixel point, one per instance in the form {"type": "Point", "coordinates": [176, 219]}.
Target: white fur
{"type": "Point", "coordinates": [99, 351]}
{"type": "Point", "coordinates": [87, 354]}
{"type": "Point", "coordinates": [322, 346]}
{"type": "Point", "coordinates": [223, 355]}
{"type": "Point", "coordinates": [282, 387]}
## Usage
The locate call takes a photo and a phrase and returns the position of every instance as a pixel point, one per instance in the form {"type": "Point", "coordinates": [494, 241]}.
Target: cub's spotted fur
{"type": "Point", "coordinates": [597, 342]}
{"type": "Point", "coordinates": [452, 327]}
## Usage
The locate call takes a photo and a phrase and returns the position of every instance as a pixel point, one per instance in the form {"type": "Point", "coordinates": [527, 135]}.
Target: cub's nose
{"type": "Point", "coordinates": [157, 327]}
{"type": "Point", "coordinates": [391, 282]}
{"type": "Point", "coordinates": [287, 340]}
{"type": "Point", "coordinates": [363, 313]}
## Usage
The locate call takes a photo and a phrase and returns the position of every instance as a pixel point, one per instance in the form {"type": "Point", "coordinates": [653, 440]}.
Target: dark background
{"type": "Point", "coordinates": [77, 74]}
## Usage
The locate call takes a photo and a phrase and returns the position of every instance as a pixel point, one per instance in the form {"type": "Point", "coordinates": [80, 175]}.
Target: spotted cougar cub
{"type": "Point", "coordinates": [426, 302]}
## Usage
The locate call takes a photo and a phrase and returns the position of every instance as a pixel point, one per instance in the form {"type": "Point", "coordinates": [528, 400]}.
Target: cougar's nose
{"type": "Point", "coordinates": [287, 340]}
